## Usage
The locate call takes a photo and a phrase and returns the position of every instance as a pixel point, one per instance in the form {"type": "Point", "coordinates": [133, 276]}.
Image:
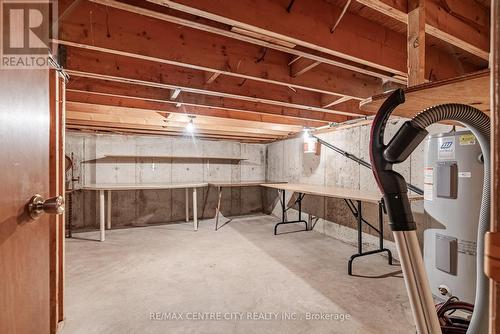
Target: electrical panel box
{"type": "Point", "coordinates": [447, 179]}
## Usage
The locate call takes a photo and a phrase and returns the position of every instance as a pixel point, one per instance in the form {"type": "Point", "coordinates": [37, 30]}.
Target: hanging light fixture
{"type": "Point", "coordinates": [190, 126]}
{"type": "Point", "coordinates": [306, 134]}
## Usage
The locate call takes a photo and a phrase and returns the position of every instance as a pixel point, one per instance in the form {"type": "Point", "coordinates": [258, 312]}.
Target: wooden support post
{"type": "Point", "coordinates": [416, 42]}
{"type": "Point", "coordinates": [492, 242]}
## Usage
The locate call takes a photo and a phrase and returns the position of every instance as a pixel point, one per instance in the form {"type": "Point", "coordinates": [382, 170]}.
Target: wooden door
{"type": "Point", "coordinates": [25, 251]}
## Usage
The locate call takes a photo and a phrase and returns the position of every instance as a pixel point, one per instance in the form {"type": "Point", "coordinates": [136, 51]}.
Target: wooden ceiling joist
{"type": "Point", "coordinates": [308, 25]}
{"type": "Point", "coordinates": [301, 66]}
{"type": "Point", "coordinates": [82, 119]}
{"type": "Point", "coordinates": [207, 121]}
{"type": "Point", "coordinates": [356, 39]}
{"type": "Point", "coordinates": [139, 36]}
{"type": "Point", "coordinates": [211, 76]}
{"type": "Point", "coordinates": [250, 69]}
{"type": "Point", "coordinates": [472, 38]}
{"type": "Point", "coordinates": [297, 117]}
{"type": "Point", "coordinates": [263, 42]}
{"type": "Point", "coordinates": [176, 125]}
{"type": "Point", "coordinates": [78, 128]}
{"type": "Point", "coordinates": [156, 94]}
{"type": "Point", "coordinates": [84, 63]}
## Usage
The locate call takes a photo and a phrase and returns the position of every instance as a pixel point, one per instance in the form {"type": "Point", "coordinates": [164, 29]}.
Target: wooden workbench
{"type": "Point", "coordinates": [107, 188]}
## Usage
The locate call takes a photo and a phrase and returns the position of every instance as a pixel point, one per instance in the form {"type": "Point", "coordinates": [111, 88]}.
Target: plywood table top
{"type": "Point", "coordinates": [241, 184]}
{"type": "Point", "coordinates": [354, 194]}
{"type": "Point", "coordinates": [142, 186]}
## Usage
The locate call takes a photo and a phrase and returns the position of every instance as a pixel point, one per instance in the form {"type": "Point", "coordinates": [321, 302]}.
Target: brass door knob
{"type": "Point", "coordinates": [38, 205]}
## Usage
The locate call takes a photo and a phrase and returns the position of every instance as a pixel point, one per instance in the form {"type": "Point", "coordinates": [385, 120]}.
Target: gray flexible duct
{"type": "Point", "coordinates": [479, 123]}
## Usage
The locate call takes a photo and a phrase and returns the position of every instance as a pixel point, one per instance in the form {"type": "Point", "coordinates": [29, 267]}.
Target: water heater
{"type": "Point", "coordinates": [453, 181]}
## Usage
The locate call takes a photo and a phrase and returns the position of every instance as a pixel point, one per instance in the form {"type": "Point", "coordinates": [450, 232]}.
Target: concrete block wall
{"type": "Point", "coordinates": [143, 207]}
{"type": "Point", "coordinates": [287, 162]}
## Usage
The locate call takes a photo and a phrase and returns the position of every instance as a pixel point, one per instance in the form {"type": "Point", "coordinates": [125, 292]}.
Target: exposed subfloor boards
{"type": "Point", "coordinates": [114, 286]}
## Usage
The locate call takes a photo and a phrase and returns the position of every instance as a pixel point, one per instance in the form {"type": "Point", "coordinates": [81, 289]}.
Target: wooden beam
{"type": "Point", "coordinates": [490, 269]}
{"type": "Point", "coordinates": [262, 37]}
{"type": "Point", "coordinates": [319, 16]}
{"type": "Point", "coordinates": [442, 25]}
{"type": "Point", "coordinates": [124, 129]}
{"type": "Point", "coordinates": [164, 106]}
{"type": "Point", "coordinates": [174, 93]}
{"type": "Point", "coordinates": [416, 42]}
{"type": "Point", "coordinates": [301, 66]}
{"type": "Point", "coordinates": [299, 52]}
{"type": "Point", "coordinates": [180, 117]}
{"type": "Point", "coordinates": [208, 105]}
{"type": "Point", "coordinates": [211, 76]}
{"type": "Point", "coordinates": [308, 25]}
{"type": "Point", "coordinates": [328, 101]}
{"type": "Point", "coordinates": [212, 104]}
{"type": "Point", "coordinates": [110, 122]}
{"type": "Point", "coordinates": [128, 116]}
{"type": "Point", "coordinates": [126, 33]}
{"type": "Point", "coordinates": [85, 63]}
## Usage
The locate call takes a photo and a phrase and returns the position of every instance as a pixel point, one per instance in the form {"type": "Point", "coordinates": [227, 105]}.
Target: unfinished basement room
{"type": "Point", "coordinates": [250, 166]}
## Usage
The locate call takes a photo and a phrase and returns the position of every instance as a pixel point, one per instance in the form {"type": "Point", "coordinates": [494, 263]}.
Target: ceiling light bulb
{"type": "Point", "coordinates": [190, 126]}
{"type": "Point", "coordinates": [306, 134]}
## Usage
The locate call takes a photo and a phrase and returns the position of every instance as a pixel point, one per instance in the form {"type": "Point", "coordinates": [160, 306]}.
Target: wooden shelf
{"type": "Point", "coordinates": [471, 89]}
{"type": "Point", "coordinates": [135, 156]}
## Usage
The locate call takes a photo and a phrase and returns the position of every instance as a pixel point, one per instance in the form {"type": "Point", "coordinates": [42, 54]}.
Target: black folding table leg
{"type": "Point", "coordinates": [359, 215]}
{"type": "Point", "coordinates": [381, 231]}
{"type": "Point", "coordinates": [284, 209]}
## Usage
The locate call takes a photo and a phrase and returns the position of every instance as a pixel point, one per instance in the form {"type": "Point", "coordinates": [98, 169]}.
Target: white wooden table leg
{"type": "Point", "coordinates": [108, 210]}
{"type": "Point", "coordinates": [101, 214]}
{"type": "Point", "coordinates": [195, 210]}
{"type": "Point", "coordinates": [217, 209]}
{"type": "Point", "coordinates": [187, 204]}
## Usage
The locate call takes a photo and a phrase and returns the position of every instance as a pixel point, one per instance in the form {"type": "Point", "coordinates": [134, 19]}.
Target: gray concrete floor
{"type": "Point", "coordinates": [114, 286]}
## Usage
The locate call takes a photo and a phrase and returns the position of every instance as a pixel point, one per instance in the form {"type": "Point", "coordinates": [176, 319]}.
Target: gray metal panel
{"type": "Point", "coordinates": [446, 253]}
{"type": "Point", "coordinates": [446, 179]}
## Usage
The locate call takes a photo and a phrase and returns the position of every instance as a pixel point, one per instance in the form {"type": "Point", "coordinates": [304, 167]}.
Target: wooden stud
{"type": "Point", "coordinates": [301, 66]}
{"type": "Point", "coordinates": [416, 42]}
{"type": "Point", "coordinates": [211, 76]}
{"type": "Point", "coordinates": [175, 93]}
{"type": "Point", "coordinates": [495, 161]}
